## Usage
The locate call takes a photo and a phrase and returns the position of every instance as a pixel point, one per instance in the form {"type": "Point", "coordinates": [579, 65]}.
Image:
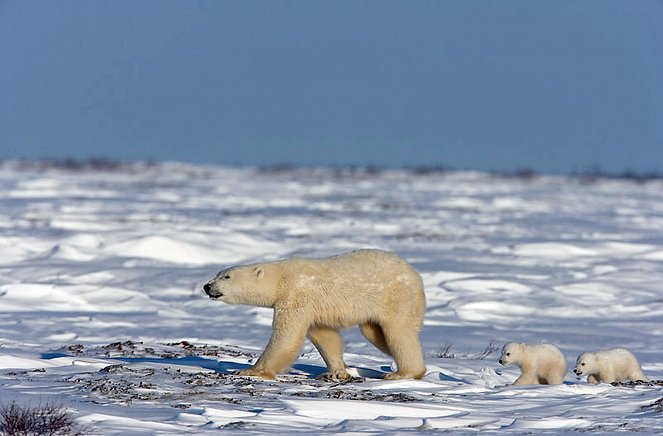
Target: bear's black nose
{"type": "Point", "coordinates": [500, 361]}
{"type": "Point", "coordinates": [207, 288]}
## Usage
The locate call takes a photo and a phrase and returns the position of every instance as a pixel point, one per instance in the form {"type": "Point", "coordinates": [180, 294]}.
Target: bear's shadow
{"type": "Point", "coordinates": [315, 371]}
{"type": "Point", "coordinates": [223, 367]}
{"type": "Point", "coordinates": [227, 367]}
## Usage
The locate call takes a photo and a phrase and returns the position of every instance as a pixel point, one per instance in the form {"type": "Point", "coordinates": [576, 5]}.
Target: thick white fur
{"type": "Point", "coordinates": [314, 298]}
{"type": "Point", "coordinates": [540, 363]}
{"type": "Point", "coordinates": [609, 366]}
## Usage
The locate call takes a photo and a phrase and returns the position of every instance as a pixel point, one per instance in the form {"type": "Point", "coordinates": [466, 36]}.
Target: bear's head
{"type": "Point", "coordinates": [584, 364]}
{"type": "Point", "coordinates": [510, 353]}
{"type": "Point", "coordinates": [241, 285]}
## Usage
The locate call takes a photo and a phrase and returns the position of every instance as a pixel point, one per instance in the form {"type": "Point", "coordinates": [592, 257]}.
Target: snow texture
{"type": "Point", "coordinates": [102, 311]}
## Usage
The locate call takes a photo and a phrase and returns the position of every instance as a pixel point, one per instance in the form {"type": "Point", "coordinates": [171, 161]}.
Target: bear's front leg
{"type": "Point", "coordinates": [526, 379]}
{"type": "Point", "coordinates": [287, 340]}
{"type": "Point", "coordinates": [252, 372]}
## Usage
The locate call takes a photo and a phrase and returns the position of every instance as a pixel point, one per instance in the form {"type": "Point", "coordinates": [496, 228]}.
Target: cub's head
{"type": "Point", "coordinates": [584, 364]}
{"type": "Point", "coordinates": [510, 353]}
{"type": "Point", "coordinates": [240, 285]}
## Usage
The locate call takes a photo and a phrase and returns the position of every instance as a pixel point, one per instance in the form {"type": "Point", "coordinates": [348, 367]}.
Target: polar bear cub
{"type": "Point", "coordinates": [540, 363]}
{"type": "Point", "coordinates": [315, 298]}
{"type": "Point", "coordinates": [609, 366]}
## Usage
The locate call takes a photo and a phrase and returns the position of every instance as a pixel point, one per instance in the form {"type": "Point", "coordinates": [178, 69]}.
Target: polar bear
{"type": "Point", "coordinates": [609, 366]}
{"type": "Point", "coordinates": [374, 289]}
{"type": "Point", "coordinates": [540, 363]}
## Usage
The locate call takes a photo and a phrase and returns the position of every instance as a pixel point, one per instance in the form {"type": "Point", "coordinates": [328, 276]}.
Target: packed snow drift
{"type": "Point", "coordinates": [102, 309]}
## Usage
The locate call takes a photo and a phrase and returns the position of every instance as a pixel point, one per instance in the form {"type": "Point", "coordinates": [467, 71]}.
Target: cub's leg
{"type": "Point", "coordinates": [289, 332]}
{"type": "Point", "coordinates": [554, 379]}
{"type": "Point", "coordinates": [637, 375]}
{"type": "Point", "coordinates": [403, 341]}
{"type": "Point", "coordinates": [329, 343]}
{"type": "Point", "coordinates": [375, 336]}
{"type": "Point", "coordinates": [593, 379]}
{"type": "Point", "coordinates": [608, 377]}
{"type": "Point", "coordinates": [526, 379]}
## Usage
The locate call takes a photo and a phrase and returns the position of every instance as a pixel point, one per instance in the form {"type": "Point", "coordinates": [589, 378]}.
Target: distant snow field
{"type": "Point", "coordinates": [102, 311]}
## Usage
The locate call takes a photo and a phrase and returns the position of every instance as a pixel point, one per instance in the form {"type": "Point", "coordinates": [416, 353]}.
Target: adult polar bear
{"type": "Point", "coordinates": [314, 298]}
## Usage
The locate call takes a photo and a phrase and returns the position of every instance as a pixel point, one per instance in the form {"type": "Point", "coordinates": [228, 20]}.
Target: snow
{"type": "Point", "coordinates": [101, 307]}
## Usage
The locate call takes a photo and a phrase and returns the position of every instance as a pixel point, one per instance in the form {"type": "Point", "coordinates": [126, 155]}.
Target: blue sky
{"type": "Point", "coordinates": [555, 86]}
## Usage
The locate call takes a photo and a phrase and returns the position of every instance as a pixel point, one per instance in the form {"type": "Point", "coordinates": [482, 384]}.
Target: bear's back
{"type": "Point", "coordinates": [547, 353]}
{"type": "Point", "coordinates": [619, 357]}
{"type": "Point", "coordinates": [356, 287]}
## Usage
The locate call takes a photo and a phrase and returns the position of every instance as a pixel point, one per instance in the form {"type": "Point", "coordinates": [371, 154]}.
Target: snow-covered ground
{"type": "Point", "coordinates": [101, 307]}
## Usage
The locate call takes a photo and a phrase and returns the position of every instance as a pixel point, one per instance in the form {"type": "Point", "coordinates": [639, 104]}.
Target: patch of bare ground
{"type": "Point", "coordinates": [631, 384]}
{"type": "Point", "coordinates": [172, 350]}
{"type": "Point", "coordinates": [126, 384]}
{"type": "Point", "coordinates": [143, 377]}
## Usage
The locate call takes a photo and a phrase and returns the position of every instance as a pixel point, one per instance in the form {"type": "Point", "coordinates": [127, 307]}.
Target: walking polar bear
{"type": "Point", "coordinates": [314, 298]}
{"type": "Point", "coordinates": [540, 363]}
{"type": "Point", "coordinates": [609, 366]}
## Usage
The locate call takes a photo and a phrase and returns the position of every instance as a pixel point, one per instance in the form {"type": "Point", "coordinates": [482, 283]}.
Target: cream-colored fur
{"type": "Point", "coordinates": [315, 298]}
{"type": "Point", "coordinates": [540, 363]}
{"type": "Point", "coordinates": [609, 366]}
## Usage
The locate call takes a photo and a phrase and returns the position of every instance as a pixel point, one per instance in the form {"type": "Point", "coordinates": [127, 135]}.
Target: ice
{"type": "Point", "coordinates": [487, 287]}
{"type": "Point", "coordinates": [653, 255]}
{"type": "Point", "coordinates": [77, 298]}
{"type": "Point", "coordinates": [550, 423]}
{"type": "Point", "coordinates": [494, 311]}
{"type": "Point", "coordinates": [554, 250]}
{"type": "Point", "coordinates": [163, 249]}
{"type": "Point", "coordinates": [335, 410]}
{"type": "Point", "coordinates": [101, 307]}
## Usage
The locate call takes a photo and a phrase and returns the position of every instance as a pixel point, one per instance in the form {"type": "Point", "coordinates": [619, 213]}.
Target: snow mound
{"type": "Point", "coordinates": [102, 307]}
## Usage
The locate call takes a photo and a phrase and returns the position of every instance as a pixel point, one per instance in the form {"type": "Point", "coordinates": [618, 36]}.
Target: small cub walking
{"type": "Point", "coordinates": [540, 363]}
{"type": "Point", "coordinates": [609, 366]}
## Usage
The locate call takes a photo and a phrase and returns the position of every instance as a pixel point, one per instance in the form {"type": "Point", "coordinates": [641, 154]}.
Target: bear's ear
{"type": "Point", "coordinates": [259, 272]}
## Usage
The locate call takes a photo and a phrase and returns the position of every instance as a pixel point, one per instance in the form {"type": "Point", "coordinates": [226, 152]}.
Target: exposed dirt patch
{"type": "Point", "coordinates": [630, 384]}
{"type": "Point", "coordinates": [130, 383]}
{"type": "Point", "coordinates": [656, 406]}
{"type": "Point", "coordinates": [171, 350]}
{"type": "Point", "coordinates": [144, 378]}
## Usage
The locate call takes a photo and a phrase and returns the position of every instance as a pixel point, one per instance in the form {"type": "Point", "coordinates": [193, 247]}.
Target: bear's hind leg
{"type": "Point", "coordinates": [375, 336]}
{"type": "Point", "coordinates": [329, 343]}
{"type": "Point", "coordinates": [403, 342]}
{"type": "Point", "coordinates": [637, 375]}
{"type": "Point", "coordinates": [555, 379]}
{"type": "Point", "coordinates": [607, 376]}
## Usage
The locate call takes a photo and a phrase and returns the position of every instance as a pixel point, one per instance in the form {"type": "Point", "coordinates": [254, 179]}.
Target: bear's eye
{"type": "Point", "coordinates": [508, 354]}
{"type": "Point", "coordinates": [226, 277]}
{"type": "Point", "coordinates": [582, 364]}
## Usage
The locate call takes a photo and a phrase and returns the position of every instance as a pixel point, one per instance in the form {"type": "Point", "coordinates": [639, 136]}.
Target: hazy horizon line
{"type": "Point", "coordinates": [110, 164]}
